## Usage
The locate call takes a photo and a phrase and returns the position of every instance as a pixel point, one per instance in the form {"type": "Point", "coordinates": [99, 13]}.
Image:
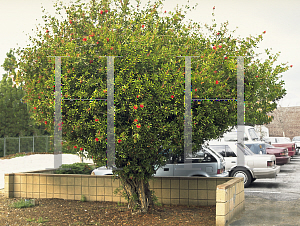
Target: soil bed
{"type": "Point", "coordinates": [68, 212]}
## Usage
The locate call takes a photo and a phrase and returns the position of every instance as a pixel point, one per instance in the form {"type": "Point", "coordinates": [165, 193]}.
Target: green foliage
{"type": "Point", "coordinates": [83, 198]}
{"type": "Point", "coordinates": [149, 80]}
{"type": "Point", "coordinates": [15, 117]}
{"type": "Point", "coordinates": [75, 168]}
{"type": "Point", "coordinates": [22, 204]}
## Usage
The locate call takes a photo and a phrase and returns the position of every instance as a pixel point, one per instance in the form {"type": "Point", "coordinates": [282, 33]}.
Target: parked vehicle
{"type": "Point", "coordinates": [257, 166]}
{"type": "Point", "coordinates": [281, 154]}
{"type": "Point", "coordinates": [296, 140]}
{"type": "Point", "coordinates": [282, 142]}
{"type": "Point", "coordinates": [203, 163]}
{"type": "Point", "coordinates": [250, 137]}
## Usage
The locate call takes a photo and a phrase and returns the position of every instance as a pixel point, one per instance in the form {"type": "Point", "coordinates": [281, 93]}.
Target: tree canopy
{"type": "Point", "coordinates": [148, 79]}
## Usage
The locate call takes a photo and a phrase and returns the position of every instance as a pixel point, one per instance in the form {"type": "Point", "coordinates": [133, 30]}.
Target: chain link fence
{"type": "Point", "coordinates": [13, 145]}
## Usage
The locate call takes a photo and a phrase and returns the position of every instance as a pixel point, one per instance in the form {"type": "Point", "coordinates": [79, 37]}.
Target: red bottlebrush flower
{"type": "Point", "coordinates": [217, 82]}
{"type": "Point", "coordinates": [165, 11]}
{"type": "Point", "coordinates": [97, 42]}
{"type": "Point", "coordinates": [75, 146]}
{"type": "Point", "coordinates": [106, 11]}
{"type": "Point", "coordinates": [256, 76]}
{"type": "Point", "coordinates": [196, 90]}
{"type": "Point", "coordinates": [215, 72]}
{"type": "Point", "coordinates": [107, 39]}
{"type": "Point", "coordinates": [225, 58]}
{"type": "Point", "coordinates": [34, 108]}
{"type": "Point", "coordinates": [218, 33]}
{"type": "Point", "coordinates": [70, 21]}
{"type": "Point", "coordinates": [138, 126]}
{"type": "Point", "coordinates": [96, 139]}
{"type": "Point", "coordinates": [143, 26]}
{"type": "Point", "coordinates": [214, 47]}
{"type": "Point", "coordinates": [135, 107]}
{"type": "Point", "coordinates": [47, 31]}
{"type": "Point", "coordinates": [111, 48]}
{"type": "Point", "coordinates": [45, 122]}
{"type": "Point", "coordinates": [291, 65]}
{"type": "Point", "coordinates": [214, 7]}
{"type": "Point", "coordinates": [172, 96]}
{"type": "Point", "coordinates": [119, 141]}
{"type": "Point", "coordinates": [81, 149]}
{"type": "Point", "coordinates": [137, 96]}
{"type": "Point", "coordinates": [104, 91]}
{"type": "Point", "coordinates": [220, 46]}
{"type": "Point", "coordinates": [91, 61]}
{"type": "Point", "coordinates": [264, 32]}
{"type": "Point", "coordinates": [101, 12]}
{"type": "Point", "coordinates": [84, 39]}
{"type": "Point", "coordinates": [96, 120]}
{"type": "Point", "coordinates": [135, 120]}
{"type": "Point", "coordinates": [141, 105]}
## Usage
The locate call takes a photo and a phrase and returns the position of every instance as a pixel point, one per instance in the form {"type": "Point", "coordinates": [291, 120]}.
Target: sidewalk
{"type": "Point", "coordinates": [33, 163]}
{"type": "Point", "coordinates": [265, 212]}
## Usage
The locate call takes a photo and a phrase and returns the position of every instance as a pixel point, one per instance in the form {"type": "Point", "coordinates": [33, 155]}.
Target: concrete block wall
{"type": "Point", "coordinates": [230, 200]}
{"type": "Point", "coordinates": [226, 193]}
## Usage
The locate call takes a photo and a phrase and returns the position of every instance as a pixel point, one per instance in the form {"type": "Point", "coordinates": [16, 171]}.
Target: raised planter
{"type": "Point", "coordinates": [226, 193]}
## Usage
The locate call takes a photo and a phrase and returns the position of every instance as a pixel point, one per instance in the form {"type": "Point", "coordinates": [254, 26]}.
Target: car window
{"type": "Point", "coordinates": [200, 156]}
{"type": "Point", "coordinates": [223, 150]}
{"type": "Point", "coordinates": [253, 134]}
{"type": "Point", "coordinates": [296, 139]}
{"type": "Point", "coordinates": [245, 150]}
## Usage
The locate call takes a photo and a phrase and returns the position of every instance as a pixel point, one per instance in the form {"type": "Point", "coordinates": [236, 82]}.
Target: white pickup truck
{"type": "Point", "coordinates": [251, 139]}
{"type": "Point", "coordinates": [256, 166]}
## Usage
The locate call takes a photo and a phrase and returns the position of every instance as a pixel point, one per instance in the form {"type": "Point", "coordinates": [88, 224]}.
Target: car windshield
{"type": "Point", "coordinates": [296, 139]}
{"type": "Point", "coordinates": [253, 134]}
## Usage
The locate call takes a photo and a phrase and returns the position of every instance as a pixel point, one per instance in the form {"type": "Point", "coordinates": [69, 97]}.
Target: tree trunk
{"type": "Point", "coordinates": [138, 195]}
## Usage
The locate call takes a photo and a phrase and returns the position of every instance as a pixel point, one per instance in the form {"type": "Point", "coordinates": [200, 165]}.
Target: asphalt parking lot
{"type": "Point", "coordinates": [273, 201]}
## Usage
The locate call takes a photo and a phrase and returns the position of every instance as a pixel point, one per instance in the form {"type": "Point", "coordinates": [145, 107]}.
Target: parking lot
{"type": "Point", "coordinates": [274, 201]}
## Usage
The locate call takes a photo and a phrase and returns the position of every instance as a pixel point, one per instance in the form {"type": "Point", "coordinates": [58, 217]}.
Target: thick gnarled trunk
{"type": "Point", "coordinates": [138, 195]}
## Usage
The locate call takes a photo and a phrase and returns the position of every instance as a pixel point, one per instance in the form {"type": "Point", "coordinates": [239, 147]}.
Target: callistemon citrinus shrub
{"type": "Point", "coordinates": [149, 83]}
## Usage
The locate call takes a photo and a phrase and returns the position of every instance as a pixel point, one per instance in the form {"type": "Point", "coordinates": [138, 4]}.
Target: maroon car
{"type": "Point", "coordinates": [281, 154]}
{"type": "Point", "coordinates": [283, 142]}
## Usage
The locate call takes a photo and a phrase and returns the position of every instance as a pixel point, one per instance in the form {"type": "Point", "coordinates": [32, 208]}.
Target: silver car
{"type": "Point", "coordinates": [204, 163]}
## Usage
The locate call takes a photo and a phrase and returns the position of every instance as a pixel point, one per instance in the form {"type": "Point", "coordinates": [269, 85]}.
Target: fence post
{"type": "Point", "coordinates": [4, 146]}
{"type": "Point", "coordinates": [47, 144]}
{"type": "Point", "coordinates": [33, 143]}
{"type": "Point", "coordinates": [19, 143]}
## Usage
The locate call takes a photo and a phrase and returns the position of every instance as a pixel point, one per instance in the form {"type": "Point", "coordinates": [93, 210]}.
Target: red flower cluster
{"type": "Point", "coordinates": [91, 61]}
{"type": "Point", "coordinates": [75, 146]}
{"type": "Point", "coordinates": [84, 39]}
{"type": "Point", "coordinates": [34, 108]}
{"type": "Point", "coordinates": [138, 126]}
{"type": "Point", "coordinates": [70, 21]}
{"type": "Point", "coordinates": [119, 141]}
{"type": "Point", "coordinates": [96, 139]}
{"type": "Point", "coordinates": [81, 149]}
{"type": "Point", "coordinates": [214, 47]}
{"type": "Point", "coordinates": [96, 120]}
{"type": "Point", "coordinates": [225, 58]}
{"type": "Point", "coordinates": [143, 26]}
{"type": "Point", "coordinates": [135, 120]}
{"type": "Point", "coordinates": [217, 82]}
{"type": "Point", "coordinates": [172, 96]}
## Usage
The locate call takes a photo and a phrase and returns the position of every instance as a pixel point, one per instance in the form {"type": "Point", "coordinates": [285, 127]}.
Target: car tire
{"type": "Point", "coordinates": [242, 173]}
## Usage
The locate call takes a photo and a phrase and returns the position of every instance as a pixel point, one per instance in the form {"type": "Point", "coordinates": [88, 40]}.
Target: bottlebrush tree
{"type": "Point", "coordinates": [148, 79]}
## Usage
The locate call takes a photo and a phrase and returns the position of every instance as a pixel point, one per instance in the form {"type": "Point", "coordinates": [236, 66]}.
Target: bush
{"type": "Point", "coordinates": [75, 168]}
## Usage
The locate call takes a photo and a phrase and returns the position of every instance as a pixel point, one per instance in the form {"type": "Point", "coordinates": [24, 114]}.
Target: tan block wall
{"type": "Point", "coordinates": [230, 200]}
{"type": "Point", "coordinates": [226, 193]}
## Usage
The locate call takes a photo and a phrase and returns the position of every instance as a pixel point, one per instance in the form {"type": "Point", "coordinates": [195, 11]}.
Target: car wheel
{"type": "Point", "coordinates": [243, 173]}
